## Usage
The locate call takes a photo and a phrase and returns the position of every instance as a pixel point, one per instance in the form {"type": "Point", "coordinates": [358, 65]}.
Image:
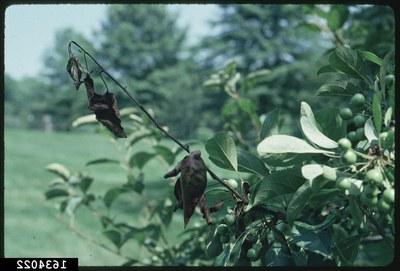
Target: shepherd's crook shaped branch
{"type": "Point", "coordinates": [184, 147]}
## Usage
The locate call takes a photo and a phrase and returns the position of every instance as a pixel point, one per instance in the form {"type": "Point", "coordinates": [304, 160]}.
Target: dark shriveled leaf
{"type": "Point", "coordinates": [105, 108]}
{"type": "Point", "coordinates": [191, 184]}
{"type": "Point", "coordinates": [74, 71]}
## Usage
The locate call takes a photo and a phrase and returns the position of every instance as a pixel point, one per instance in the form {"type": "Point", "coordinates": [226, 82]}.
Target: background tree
{"type": "Point", "coordinates": [145, 47]}
{"type": "Point", "coordinates": [266, 37]}
{"type": "Point", "coordinates": [64, 107]}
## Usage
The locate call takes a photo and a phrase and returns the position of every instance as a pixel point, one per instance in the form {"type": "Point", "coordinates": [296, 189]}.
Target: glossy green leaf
{"type": "Point", "coordinates": [277, 144]}
{"type": "Point", "coordinates": [114, 236]}
{"type": "Point", "coordinates": [383, 69]}
{"type": "Point", "coordinates": [388, 116]}
{"type": "Point", "coordinates": [270, 125]}
{"type": "Point", "coordinates": [278, 183]}
{"type": "Point", "coordinates": [248, 162]}
{"type": "Point", "coordinates": [309, 128]}
{"type": "Point", "coordinates": [330, 123]}
{"type": "Point", "coordinates": [298, 201]}
{"type": "Point", "coordinates": [102, 161]}
{"type": "Point", "coordinates": [369, 130]}
{"type": "Point", "coordinates": [111, 195]}
{"type": "Point", "coordinates": [325, 69]}
{"type": "Point", "coordinates": [371, 57]}
{"type": "Point", "coordinates": [312, 171]}
{"type": "Point", "coordinates": [347, 61]}
{"type": "Point", "coordinates": [85, 183]}
{"type": "Point", "coordinates": [377, 112]}
{"type": "Point", "coordinates": [59, 170]}
{"type": "Point", "coordinates": [222, 151]}
{"type": "Point", "coordinates": [355, 211]}
{"type": "Point", "coordinates": [316, 241]}
{"type": "Point", "coordinates": [277, 256]}
{"type": "Point", "coordinates": [345, 248]}
{"type": "Point", "coordinates": [337, 16]}
{"type": "Point", "coordinates": [55, 193]}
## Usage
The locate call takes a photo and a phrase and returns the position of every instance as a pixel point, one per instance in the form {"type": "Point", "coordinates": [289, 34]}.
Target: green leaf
{"type": "Point", "coordinates": [236, 249]}
{"type": "Point", "coordinates": [329, 220]}
{"type": "Point", "coordinates": [59, 170]}
{"type": "Point", "coordinates": [310, 172]}
{"type": "Point", "coordinates": [316, 241]}
{"type": "Point", "coordinates": [102, 161]}
{"type": "Point", "coordinates": [325, 69]}
{"type": "Point", "coordinates": [277, 184]}
{"type": "Point", "coordinates": [377, 111]}
{"type": "Point", "coordinates": [222, 151]}
{"type": "Point", "coordinates": [277, 256]}
{"type": "Point", "coordinates": [330, 123]}
{"type": "Point", "coordinates": [298, 202]}
{"type": "Point", "coordinates": [151, 231]}
{"type": "Point", "coordinates": [346, 248]}
{"type": "Point", "coordinates": [333, 90]}
{"type": "Point", "coordinates": [383, 69]}
{"type": "Point", "coordinates": [56, 192]}
{"type": "Point", "coordinates": [310, 130]}
{"type": "Point", "coordinates": [114, 236]}
{"type": "Point", "coordinates": [270, 125]}
{"type": "Point", "coordinates": [85, 183]}
{"type": "Point", "coordinates": [247, 105]}
{"type": "Point", "coordinates": [371, 57]}
{"type": "Point", "coordinates": [165, 153]}
{"type": "Point", "coordinates": [248, 162]}
{"type": "Point", "coordinates": [112, 195]}
{"type": "Point", "coordinates": [355, 211]}
{"type": "Point", "coordinates": [140, 159]}
{"type": "Point", "coordinates": [388, 116]}
{"type": "Point", "coordinates": [88, 119]}
{"type": "Point", "coordinates": [337, 16]}
{"type": "Point", "coordinates": [286, 159]}
{"type": "Point", "coordinates": [285, 144]}
{"type": "Point", "coordinates": [369, 130]}
{"type": "Point", "coordinates": [223, 258]}
{"type": "Point", "coordinates": [346, 60]}
{"type": "Point", "coordinates": [258, 76]}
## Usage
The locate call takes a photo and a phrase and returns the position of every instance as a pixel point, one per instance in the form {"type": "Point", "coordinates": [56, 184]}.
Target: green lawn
{"type": "Point", "coordinates": [31, 226]}
{"type": "Point", "coordinates": [31, 229]}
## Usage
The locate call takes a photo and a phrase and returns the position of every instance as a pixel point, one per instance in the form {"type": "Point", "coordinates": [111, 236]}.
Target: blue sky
{"type": "Point", "coordinates": [30, 29]}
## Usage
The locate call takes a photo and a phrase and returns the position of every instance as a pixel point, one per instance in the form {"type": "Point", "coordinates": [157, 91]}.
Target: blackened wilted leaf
{"type": "Point", "coordinates": [191, 184]}
{"type": "Point", "coordinates": [105, 108]}
{"type": "Point", "coordinates": [74, 71]}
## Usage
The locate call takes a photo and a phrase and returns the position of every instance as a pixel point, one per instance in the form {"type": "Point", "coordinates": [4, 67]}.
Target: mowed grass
{"type": "Point", "coordinates": [31, 226]}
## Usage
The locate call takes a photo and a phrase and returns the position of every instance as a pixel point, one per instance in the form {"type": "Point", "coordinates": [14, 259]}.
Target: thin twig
{"type": "Point", "coordinates": [184, 147]}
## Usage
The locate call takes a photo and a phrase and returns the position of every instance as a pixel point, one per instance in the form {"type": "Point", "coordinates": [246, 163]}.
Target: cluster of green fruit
{"type": "Point", "coordinates": [253, 254]}
{"type": "Point", "coordinates": [376, 191]}
{"type": "Point", "coordinates": [357, 119]}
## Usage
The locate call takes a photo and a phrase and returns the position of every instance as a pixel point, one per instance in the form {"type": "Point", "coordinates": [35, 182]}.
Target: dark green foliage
{"type": "Point", "coordinates": [312, 196]}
